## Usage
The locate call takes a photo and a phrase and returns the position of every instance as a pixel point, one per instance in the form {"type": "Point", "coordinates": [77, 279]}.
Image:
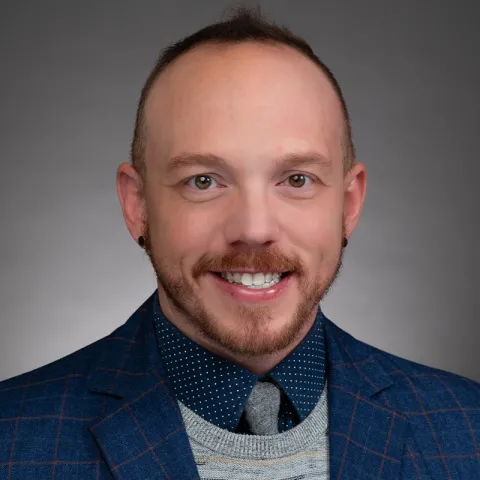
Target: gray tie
{"type": "Point", "coordinates": [261, 411]}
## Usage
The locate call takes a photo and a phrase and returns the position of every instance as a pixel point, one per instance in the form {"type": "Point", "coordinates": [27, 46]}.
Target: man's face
{"type": "Point", "coordinates": [273, 205]}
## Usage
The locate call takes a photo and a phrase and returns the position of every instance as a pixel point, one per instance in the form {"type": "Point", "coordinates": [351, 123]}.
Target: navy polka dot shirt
{"type": "Point", "coordinates": [217, 389]}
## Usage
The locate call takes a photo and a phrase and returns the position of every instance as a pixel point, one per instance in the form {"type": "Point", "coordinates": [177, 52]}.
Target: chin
{"type": "Point", "coordinates": [254, 331]}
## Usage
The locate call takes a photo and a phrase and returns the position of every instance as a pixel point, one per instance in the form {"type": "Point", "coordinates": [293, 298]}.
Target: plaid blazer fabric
{"type": "Point", "coordinates": [108, 411]}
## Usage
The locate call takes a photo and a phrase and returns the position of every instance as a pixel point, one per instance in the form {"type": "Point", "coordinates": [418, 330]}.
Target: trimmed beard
{"type": "Point", "coordinates": [250, 339]}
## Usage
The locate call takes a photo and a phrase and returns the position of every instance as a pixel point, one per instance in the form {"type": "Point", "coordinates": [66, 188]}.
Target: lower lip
{"type": "Point", "coordinates": [252, 295]}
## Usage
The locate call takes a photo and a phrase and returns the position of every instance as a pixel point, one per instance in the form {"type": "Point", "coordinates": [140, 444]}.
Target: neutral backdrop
{"type": "Point", "coordinates": [71, 74]}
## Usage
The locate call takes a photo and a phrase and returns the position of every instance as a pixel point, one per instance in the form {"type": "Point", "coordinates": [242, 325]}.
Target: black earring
{"type": "Point", "coordinates": [141, 241]}
{"type": "Point", "coordinates": [345, 242]}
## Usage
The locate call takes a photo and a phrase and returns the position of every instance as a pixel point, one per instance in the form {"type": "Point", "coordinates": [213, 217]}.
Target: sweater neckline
{"type": "Point", "coordinates": [257, 447]}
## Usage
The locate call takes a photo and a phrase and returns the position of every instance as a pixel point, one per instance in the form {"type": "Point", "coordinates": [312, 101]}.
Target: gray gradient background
{"type": "Point", "coordinates": [71, 74]}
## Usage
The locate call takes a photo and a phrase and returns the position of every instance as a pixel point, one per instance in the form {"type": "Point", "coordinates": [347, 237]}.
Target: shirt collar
{"type": "Point", "coordinates": [217, 389]}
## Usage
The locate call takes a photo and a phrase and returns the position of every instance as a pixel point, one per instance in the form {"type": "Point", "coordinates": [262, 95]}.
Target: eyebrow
{"type": "Point", "coordinates": [193, 159]}
{"type": "Point", "coordinates": [285, 162]}
{"type": "Point", "coordinates": [309, 159]}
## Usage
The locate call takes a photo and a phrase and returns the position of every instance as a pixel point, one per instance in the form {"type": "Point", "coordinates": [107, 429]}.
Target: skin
{"type": "Point", "coordinates": [253, 105]}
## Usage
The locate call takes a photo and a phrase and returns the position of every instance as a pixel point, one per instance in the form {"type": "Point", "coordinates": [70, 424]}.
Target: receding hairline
{"type": "Point", "coordinates": [213, 44]}
{"type": "Point", "coordinates": [163, 64]}
{"type": "Point", "coordinates": [223, 45]}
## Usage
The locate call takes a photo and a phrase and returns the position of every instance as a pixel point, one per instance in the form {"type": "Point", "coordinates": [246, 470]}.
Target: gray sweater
{"type": "Point", "coordinates": [298, 453]}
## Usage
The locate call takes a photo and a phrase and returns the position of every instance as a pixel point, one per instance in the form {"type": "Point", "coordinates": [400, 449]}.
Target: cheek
{"type": "Point", "coordinates": [316, 229]}
{"type": "Point", "coordinates": [182, 233]}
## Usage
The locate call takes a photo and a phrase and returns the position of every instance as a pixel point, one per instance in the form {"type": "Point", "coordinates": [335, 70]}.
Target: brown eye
{"type": "Point", "coordinates": [297, 180]}
{"type": "Point", "coordinates": [202, 182]}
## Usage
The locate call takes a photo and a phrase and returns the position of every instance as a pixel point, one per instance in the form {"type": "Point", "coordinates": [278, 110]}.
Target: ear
{"type": "Point", "coordinates": [355, 186]}
{"type": "Point", "coordinates": [130, 194]}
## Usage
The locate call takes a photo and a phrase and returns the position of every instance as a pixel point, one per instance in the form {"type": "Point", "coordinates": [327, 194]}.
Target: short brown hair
{"type": "Point", "coordinates": [244, 25]}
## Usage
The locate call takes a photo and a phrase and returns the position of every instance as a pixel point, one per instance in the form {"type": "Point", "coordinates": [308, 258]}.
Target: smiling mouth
{"type": "Point", "coordinates": [253, 280]}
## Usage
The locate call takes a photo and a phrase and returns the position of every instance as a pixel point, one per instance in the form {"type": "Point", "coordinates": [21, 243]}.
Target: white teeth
{"type": "Point", "coordinates": [237, 277]}
{"type": "Point", "coordinates": [255, 280]}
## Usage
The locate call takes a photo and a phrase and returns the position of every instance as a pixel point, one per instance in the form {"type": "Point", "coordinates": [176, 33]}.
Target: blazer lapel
{"type": "Point", "coordinates": [141, 433]}
{"type": "Point", "coordinates": [366, 434]}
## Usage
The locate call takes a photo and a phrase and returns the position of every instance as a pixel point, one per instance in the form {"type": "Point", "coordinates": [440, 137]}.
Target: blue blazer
{"type": "Point", "coordinates": [108, 411]}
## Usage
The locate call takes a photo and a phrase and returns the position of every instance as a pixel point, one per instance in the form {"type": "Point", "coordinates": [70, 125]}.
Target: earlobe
{"type": "Point", "coordinates": [131, 198]}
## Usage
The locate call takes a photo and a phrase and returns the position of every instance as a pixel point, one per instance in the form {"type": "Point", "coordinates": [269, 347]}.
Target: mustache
{"type": "Point", "coordinates": [261, 260]}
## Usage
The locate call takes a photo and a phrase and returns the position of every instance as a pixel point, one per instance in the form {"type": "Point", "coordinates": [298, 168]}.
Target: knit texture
{"type": "Point", "coordinates": [299, 453]}
{"type": "Point", "coordinates": [262, 408]}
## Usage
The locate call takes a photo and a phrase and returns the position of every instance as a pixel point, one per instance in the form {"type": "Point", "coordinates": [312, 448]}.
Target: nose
{"type": "Point", "coordinates": [251, 220]}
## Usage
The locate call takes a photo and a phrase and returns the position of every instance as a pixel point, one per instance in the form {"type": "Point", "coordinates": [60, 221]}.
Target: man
{"type": "Point", "coordinates": [243, 191]}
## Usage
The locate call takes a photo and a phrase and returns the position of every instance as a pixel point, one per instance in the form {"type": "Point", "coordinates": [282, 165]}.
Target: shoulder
{"type": "Point", "coordinates": [441, 408]}
{"type": "Point", "coordinates": [44, 415]}
{"type": "Point", "coordinates": [414, 385]}
{"type": "Point", "coordinates": [411, 384]}
{"type": "Point", "coordinates": [45, 412]}
{"type": "Point", "coordinates": [430, 385]}
{"type": "Point", "coordinates": [440, 405]}
{"type": "Point", "coordinates": [47, 387]}
{"type": "Point", "coordinates": [41, 390]}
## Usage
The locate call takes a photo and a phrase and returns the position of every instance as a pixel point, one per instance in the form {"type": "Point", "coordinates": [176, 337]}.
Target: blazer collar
{"type": "Point", "coordinates": [141, 432]}
{"type": "Point", "coordinates": [142, 429]}
{"type": "Point", "coordinates": [358, 362]}
{"type": "Point", "coordinates": [129, 357]}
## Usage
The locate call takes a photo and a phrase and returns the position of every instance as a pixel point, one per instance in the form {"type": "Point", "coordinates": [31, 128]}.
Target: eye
{"type": "Point", "coordinates": [298, 180]}
{"type": "Point", "coordinates": [201, 182]}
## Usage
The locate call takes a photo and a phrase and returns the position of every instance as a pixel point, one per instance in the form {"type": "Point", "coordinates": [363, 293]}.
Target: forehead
{"type": "Point", "coordinates": [243, 101]}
